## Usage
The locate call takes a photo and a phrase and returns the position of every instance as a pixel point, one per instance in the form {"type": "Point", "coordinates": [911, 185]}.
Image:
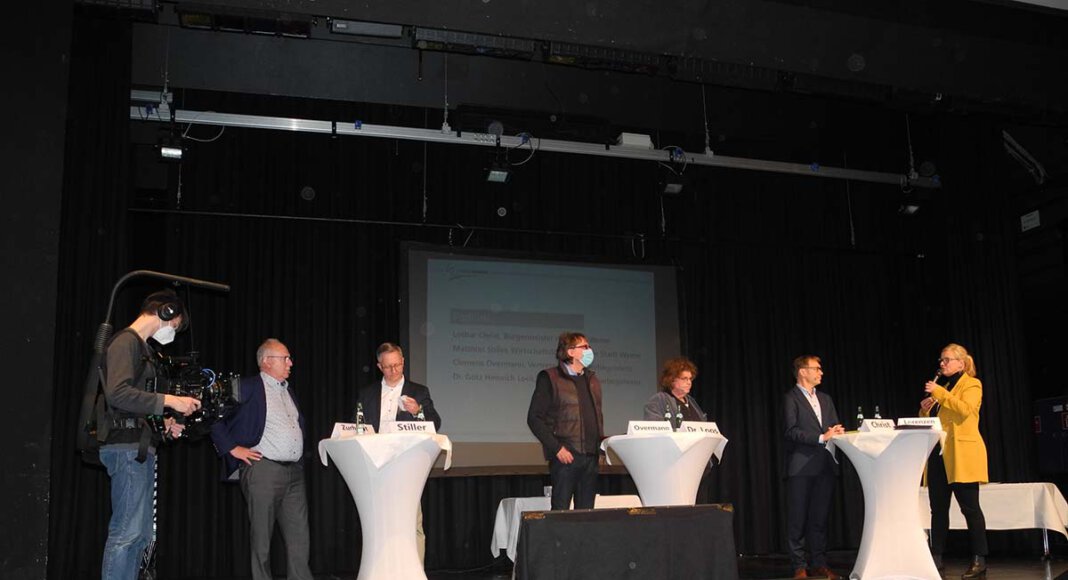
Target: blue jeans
{"type": "Point", "coordinates": [130, 529]}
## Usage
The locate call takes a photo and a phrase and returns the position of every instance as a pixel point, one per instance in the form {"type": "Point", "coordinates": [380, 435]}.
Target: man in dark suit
{"type": "Point", "coordinates": [394, 398]}
{"type": "Point", "coordinates": [262, 444]}
{"type": "Point", "coordinates": [397, 399]}
{"type": "Point", "coordinates": [810, 420]}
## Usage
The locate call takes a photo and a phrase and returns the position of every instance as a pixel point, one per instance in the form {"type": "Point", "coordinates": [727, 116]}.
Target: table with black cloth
{"type": "Point", "coordinates": [635, 543]}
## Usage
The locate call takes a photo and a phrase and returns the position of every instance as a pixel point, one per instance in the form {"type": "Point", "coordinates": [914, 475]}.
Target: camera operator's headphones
{"type": "Point", "coordinates": [168, 311]}
{"type": "Point", "coordinates": [166, 305]}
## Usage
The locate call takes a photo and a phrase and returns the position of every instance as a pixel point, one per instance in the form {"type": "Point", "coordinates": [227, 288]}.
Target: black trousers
{"type": "Point", "coordinates": [808, 505]}
{"type": "Point", "coordinates": [577, 479]}
{"type": "Point", "coordinates": [939, 490]}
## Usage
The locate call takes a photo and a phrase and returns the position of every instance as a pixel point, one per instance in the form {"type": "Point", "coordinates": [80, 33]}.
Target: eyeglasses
{"type": "Point", "coordinates": [286, 357]}
{"type": "Point", "coordinates": [582, 346]}
{"type": "Point", "coordinates": [392, 367]}
{"type": "Point", "coordinates": [946, 360]}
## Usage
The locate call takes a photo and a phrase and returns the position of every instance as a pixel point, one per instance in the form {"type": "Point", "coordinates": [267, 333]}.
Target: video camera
{"type": "Point", "coordinates": [183, 376]}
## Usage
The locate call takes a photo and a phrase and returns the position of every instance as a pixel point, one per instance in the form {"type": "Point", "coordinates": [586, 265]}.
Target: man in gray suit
{"type": "Point", "coordinates": [810, 420]}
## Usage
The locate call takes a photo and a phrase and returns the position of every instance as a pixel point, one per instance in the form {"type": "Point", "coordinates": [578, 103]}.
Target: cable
{"type": "Point", "coordinates": [185, 134]}
{"type": "Point", "coordinates": [676, 153]}
{"type": "Point", "coordinates": [663, 217]}
{"type": "Point", "coordinates": [633, 250]}
{"type": "Point", "coordinates": [528, 139]}
{"type": "Point", "coordinates": [424, 182]}
{"type": "Point", "coordinates": [445, 121]}
{"type": "Point", "coordinates": [704, 109]}
{"type": "Point", "coordinates": [178, 200]}
{"type": "Point", "coordinates": [908, 137]}
{"type": "Point", "coordinates": [849, 204]}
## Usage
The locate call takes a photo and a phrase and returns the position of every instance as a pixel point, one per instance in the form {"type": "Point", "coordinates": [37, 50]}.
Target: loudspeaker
{"type": "Point", "coordinates": [637, 543]}
{"type": "Point", "coordinates": [1051, 434]}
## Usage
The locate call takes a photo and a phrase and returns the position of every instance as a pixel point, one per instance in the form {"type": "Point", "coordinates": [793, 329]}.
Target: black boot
{"type": "Point", "coordinates": [977, 570]}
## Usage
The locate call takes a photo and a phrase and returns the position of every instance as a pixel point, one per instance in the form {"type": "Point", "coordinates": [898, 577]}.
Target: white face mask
{"type": "Point", "coordinates": [165, 334]}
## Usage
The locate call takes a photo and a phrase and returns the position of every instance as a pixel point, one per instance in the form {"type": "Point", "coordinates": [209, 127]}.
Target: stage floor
{"type": "Point", "coordinates": [775, 568]}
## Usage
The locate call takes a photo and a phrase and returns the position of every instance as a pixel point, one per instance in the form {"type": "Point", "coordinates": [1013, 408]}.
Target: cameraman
{"type": "Point", "coordinates": [129, 447]}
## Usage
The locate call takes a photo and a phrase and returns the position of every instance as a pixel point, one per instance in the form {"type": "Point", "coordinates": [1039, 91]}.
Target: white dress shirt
{"type": "Point", "coordinates": [390, 403]}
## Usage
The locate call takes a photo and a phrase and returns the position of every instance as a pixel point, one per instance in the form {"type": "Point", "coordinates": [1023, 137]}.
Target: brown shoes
{"type": "Point", "coordinates": [824, 571]}
{"type": "Point", "coordinates": [977, 571]}
{"type": "Point", "coordinates": [821, 572]}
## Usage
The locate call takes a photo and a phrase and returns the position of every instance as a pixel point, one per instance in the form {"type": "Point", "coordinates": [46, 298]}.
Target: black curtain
{"type": "Point", "coordinates": [93, 243]}
{"type": "Point", "coordinates": [769, 267]}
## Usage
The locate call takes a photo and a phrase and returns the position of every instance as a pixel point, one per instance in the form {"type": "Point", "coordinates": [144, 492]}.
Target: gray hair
{"type": "Point", "coordinates": [261, 352]}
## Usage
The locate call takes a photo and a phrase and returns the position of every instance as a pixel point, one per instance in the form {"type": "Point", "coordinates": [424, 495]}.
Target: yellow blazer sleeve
{"type": "Point", "coordinates": [966, 399]}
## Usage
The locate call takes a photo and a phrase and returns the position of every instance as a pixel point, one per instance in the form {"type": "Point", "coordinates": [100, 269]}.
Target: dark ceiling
{"type": "Point", "coordinates": [972, 54]}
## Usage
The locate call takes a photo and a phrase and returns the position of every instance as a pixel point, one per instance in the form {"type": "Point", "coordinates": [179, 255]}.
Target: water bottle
{"type": "Point", "coordinates": [860, 417]}
{"type": "Point", "coordinates": [678, 420]}
{"type": "Point", "coordinates": [667, 417]}
{"type": "Point", "coordinates": [359, 419]}
{"type": "Point", "coordinates": [877, 415]}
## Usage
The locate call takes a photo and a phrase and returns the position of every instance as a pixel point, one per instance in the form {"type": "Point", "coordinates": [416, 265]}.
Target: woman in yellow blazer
{"type": "Point", "coordinates": [955, 399]}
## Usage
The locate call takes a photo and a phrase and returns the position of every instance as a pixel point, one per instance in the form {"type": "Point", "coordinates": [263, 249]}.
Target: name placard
{"type": "Point", "coordinates": [916, 422]}
{"type": "Point", "coordinates": [347, 430]}
{"type": "Point", "coordinates": [409, 427]}
{"type": "Point", "coordinates": [700, 427]}
{"type": "Point", "coordinates": [876, 425]}
{"type": "Point", "coordinates": [637, 427]}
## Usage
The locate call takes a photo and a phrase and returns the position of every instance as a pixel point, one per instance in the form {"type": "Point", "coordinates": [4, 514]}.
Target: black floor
{"type": "Point", "coordinates": [774, 568]}
{"type": "Point", "coordinates": [777, 567]}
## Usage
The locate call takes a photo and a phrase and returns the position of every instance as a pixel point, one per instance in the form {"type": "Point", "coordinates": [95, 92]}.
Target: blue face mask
{"type": "Point", "coordinates": [587, 357]}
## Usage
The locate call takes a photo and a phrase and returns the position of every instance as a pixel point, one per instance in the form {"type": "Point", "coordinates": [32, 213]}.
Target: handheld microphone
{"type": "Point", "coordinates": [934, 408]}
{"type": "Point", "coordinates": [938, 375]}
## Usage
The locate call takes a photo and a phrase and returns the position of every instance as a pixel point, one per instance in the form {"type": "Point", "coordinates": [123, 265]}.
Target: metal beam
{"type": "Point", "coordinates": [161, 113]}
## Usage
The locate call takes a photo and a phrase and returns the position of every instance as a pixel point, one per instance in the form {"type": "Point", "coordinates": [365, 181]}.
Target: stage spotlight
{"type": "Point", "coordinates": [908, 208]}
{"type": "Point", "coordinates": [671, 183]}
{"type": "Point", "coordinates": [673, 187]}
{"type": "Point", "coordinates": [170, 149]}
{"type": "Point", "coordinates": [498, 172]}
{"type": "Point", "coordinates": [169, 152]}
{"type": "Point", "coordinates": [912, 202]}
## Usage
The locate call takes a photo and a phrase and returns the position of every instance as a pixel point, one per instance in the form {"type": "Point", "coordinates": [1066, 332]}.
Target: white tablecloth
{"type": "Point", "coordinates": [889, 465]}
{"type": "Point", "coordinates": [386, 474]}
{"type": "Point", "coordinates": [666, 467]}
{"type": "Point", "coordinates": [1010, 506]}
{"type": "Point", "coordinates": [509, 511]}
